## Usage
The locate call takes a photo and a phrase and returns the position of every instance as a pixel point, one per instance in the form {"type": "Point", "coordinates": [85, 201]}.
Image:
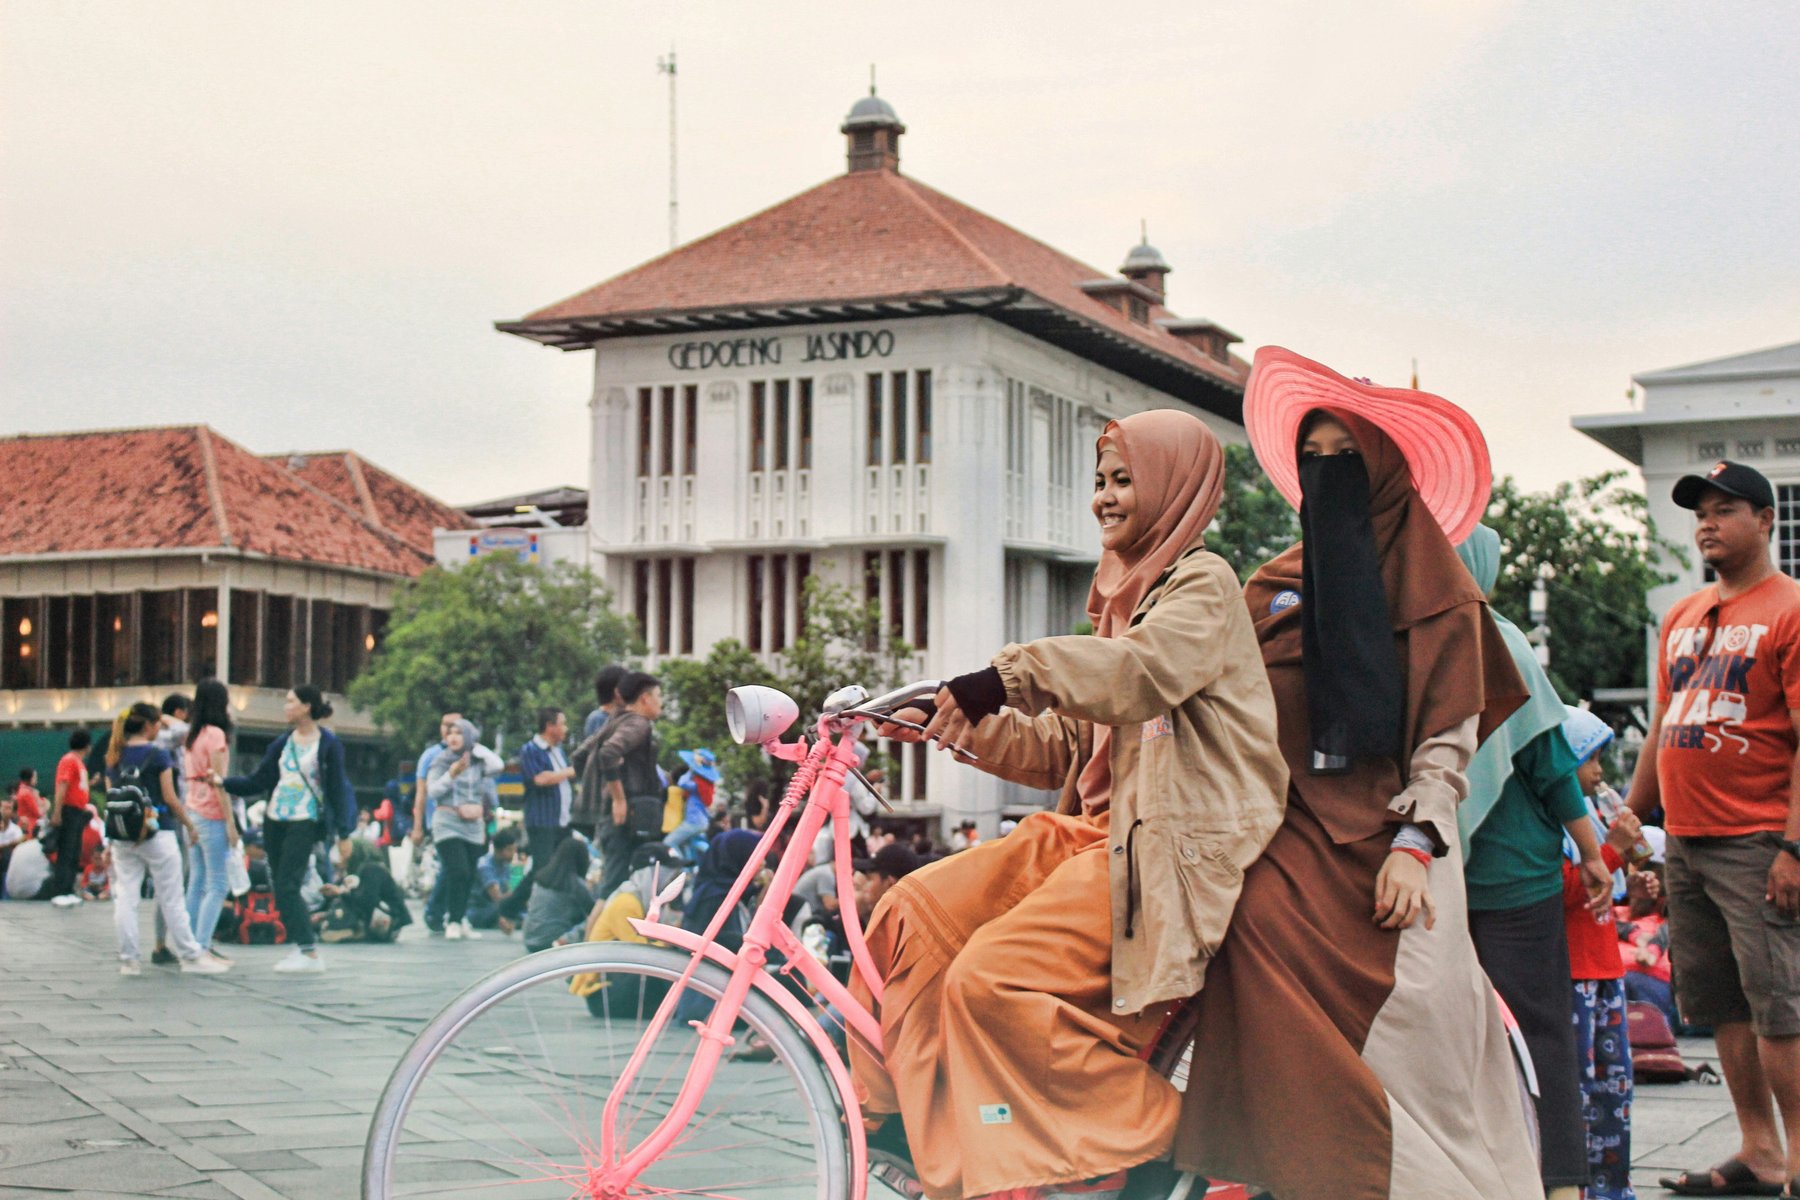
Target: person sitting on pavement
{"type": "Point", "coordinates": [488, 908]}
{"type": "Point", "coordinates": [653, 866]}
{"type": "Point", "coordinates": [561, 901]}
{"type": "Point", "coordinates": [364, 903]}
{"type": "Point", "coordinates": [1643, 929]}
{"type": "Point", "coordinates": [11, 835]}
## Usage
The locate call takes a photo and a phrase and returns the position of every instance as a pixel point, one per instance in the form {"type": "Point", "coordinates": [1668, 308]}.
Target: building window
{"type": "Point", "coordinates": [759, 416]}
{"type": "Point", "coordinates": [86, 632]}
{"type": "Point", "coordinates": [57, 664]}
{"type": "Point", "coordinates": [22, 644]}
{"type": "Point", "coordinates": [640, 596]}
{"type": "Point", "coordinates": [874, 423]}
{"type": "Point", "coordinates": [755, 605]}
{"type": "Point", "coordinates": [1139, 310]}
{"type": "Point", "coordinates": [922, 423]}
{"type": "Point", "coordinates": [1787, 528]}
{"type": "Point", "coordinates": [778, 597]}
{"type": "Point", "coordinates": [280, 633]}
{"type": "Point", "coordinates": [690, 426]}
{"type": "Point", "coordinates": [161, 637]}
{"type": "Point", "coordinates": [781, 424]}
{"type": "Point", "coordinates": [806, 418]}
{"type": "Point", "coordinates": [246, 637]}
{"type": "Point", "coordinates": [921, 586]}
{"type": "Point", "coordinates": [202, 648]}
{"type": "Point", "coordinates": [897, 401]}
{"type": "Point", "coordinates": [872, 594]}
{"type": "Point", "coordinates": [687, 605]}
{"type": "Point", "coordinates": [646, 423]}
{"type": "Point", "coordinates": [665, 604]}
{"type": "Point", "coordinates": [666, 459]}
{"type": "Point", "coordinates": [322, 655]}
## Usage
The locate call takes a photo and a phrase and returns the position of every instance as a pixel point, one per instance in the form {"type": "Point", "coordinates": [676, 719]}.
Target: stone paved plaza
{"type": "Point", "coordinates": [258, 1086]}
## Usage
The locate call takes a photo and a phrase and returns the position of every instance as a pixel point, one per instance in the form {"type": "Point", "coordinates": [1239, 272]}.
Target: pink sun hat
{"type": "Point", "coordinates": [1442, 443]}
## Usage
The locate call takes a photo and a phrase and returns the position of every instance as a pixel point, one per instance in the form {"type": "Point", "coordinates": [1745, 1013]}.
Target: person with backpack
{"type": "Point", "coordinates": [1602, 1039]}
{"type": "Point", "coordinates": [624, 764]}
{"type": "Point", "coordinates": [310, 799]}
{"type": "Point", "coordinates": [144, 817]}
{"type": "Point", "coordinates": [206, 755]}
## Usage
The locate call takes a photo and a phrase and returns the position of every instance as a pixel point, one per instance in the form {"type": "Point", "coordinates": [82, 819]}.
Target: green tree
{"type": "Point", "coordinates": [1254, 523]}
{"type": "Point", "coordinates": [1593, 543]}
{"type": "Point", "coordinates": [841, 640]}
{"type": "Point", "coordinates": [494, 639]}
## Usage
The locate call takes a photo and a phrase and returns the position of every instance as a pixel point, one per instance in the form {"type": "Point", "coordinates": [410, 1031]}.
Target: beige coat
{"type": "Point", "coordinates": [1199, 784]}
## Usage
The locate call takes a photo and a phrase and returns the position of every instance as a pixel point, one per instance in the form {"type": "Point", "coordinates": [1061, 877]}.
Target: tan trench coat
{"type": "Point", "coordinates": [1199, 784]}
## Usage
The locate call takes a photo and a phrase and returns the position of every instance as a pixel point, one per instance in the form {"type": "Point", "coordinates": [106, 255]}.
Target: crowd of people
{"type": "Point", "coordinates": [1338, 818]}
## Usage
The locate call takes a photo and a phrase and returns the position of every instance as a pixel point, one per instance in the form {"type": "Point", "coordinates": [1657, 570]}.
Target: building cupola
{"type": "Point", "coordinates": [1145, 265]}
{"type": "Point", "coordinates": [873, 130]}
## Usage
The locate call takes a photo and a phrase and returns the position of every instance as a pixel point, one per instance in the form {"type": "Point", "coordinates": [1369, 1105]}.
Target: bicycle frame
{"type": "Point", "coordinates": [818, 794]}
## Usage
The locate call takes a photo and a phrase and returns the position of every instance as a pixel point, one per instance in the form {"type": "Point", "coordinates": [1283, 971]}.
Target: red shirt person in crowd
{"type": "Point", "coordinates": [28, 803]}
{"type": "Point", "coordinates": [1721, 763]}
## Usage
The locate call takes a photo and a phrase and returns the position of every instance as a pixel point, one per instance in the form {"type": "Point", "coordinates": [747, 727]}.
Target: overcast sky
{"type": "Point", "coordinates": [297, 222]}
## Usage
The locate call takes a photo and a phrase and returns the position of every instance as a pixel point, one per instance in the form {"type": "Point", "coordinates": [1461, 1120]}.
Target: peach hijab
{"type": "Point", "coordinates": [1178, 471]}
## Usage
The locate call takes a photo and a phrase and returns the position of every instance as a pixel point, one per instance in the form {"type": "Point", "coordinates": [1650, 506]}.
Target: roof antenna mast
{"type": "Point", "coordinates": [666, 66]}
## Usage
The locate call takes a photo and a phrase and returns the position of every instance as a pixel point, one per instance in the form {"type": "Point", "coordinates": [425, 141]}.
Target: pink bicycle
{"type": "Point", "coordinates": [520, 1089]}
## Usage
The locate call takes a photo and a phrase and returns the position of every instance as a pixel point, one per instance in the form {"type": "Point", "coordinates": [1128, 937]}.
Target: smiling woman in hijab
{"type": "Point", "coordinates": [1347, 1044]}
{"type": "Point", "coordinates": [1024, 977]}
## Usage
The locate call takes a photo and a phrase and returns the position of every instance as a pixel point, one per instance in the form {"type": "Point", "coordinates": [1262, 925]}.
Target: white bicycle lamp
{"type": "Point", "coordinates": [757, 714]}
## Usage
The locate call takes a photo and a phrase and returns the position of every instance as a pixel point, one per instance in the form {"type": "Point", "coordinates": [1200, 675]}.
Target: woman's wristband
{"type": "Point", "coordinates": [1423, 856]}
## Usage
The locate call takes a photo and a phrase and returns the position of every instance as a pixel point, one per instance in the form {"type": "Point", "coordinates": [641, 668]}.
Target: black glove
{"type": "Point", "coordinates": [979, 693]}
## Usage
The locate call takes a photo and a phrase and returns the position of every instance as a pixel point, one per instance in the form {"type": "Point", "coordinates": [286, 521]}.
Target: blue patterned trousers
{"type": "Point", "coordinates": [1604, 1052]}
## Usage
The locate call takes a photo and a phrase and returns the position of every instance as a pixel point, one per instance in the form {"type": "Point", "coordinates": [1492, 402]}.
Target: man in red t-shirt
{"type": "Point", "coordinates": [69, 814]}
{"type": "Point", "coordinates": [1721, 762]}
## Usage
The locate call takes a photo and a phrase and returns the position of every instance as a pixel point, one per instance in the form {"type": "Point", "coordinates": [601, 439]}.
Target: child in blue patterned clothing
{"type": "Point", "coordinates": [1603, 1047]}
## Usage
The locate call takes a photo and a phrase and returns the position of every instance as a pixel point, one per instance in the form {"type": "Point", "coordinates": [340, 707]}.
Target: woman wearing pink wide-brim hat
{"type": "Point", "coordinates": [1347, 1044]}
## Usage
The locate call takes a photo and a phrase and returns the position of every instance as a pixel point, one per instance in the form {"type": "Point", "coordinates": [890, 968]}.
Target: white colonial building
{"type": "Point", "coordinates": [876, 384]}
{"type": "Point", "coordinates": [1745, 408]}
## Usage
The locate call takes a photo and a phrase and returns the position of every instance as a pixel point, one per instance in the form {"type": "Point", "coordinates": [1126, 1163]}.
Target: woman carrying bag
{"type": "Point", "coordinates": [310, 800]}
{"type": "Point", "coordinates": [1024, 976]}
{"type": "Point", "coordinates": [1348, 1045]}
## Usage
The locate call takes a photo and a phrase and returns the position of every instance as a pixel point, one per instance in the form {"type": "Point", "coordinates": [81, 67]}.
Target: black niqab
{"type": "Point", "coordinates": [1355, 693]}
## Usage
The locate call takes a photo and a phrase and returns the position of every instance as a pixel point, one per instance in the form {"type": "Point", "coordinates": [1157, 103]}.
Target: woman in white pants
{"type": "Point", "coordinates": [140, 763]}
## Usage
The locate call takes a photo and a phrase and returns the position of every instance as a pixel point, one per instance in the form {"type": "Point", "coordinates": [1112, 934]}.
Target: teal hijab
{"type": "Point", "coordinates": [1492, 765]}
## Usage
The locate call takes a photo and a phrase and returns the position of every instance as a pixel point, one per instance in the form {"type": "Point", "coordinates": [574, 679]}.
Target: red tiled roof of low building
{"type": "Point", "coordinates": [384, 499]}
{"type": "Point", "coordinates": [178, 488]}
{"type": "Point", "coordinates": [863, 236]}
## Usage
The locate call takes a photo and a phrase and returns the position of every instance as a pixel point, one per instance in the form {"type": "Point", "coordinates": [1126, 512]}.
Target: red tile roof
{"type": "Point", "coordinates": [385, 500]}
{"type": "Point", "coordinates": [175, 488]}
{"type": "Point", "coordinates": [866, 236]}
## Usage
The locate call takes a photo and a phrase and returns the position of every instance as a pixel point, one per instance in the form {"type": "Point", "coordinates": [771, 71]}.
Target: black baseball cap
{"type": "Point", "coordinates": [1734, 479]}
{"type": "Point", "coordinates": [894, 860]}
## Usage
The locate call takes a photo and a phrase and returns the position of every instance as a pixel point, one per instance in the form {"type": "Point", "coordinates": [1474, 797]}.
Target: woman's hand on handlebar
{"type": "Point", "coordinates": [901, 733]}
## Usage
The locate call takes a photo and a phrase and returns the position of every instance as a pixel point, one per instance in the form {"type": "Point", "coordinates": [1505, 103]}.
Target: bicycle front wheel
{"type": "Point", "coordinates": [502, 1094]}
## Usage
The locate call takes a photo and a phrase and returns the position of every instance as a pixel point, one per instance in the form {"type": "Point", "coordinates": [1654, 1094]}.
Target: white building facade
{"type": "Point", "coordinates": [1745, 408]}
{"type": "Point", "coordinates": [930, 451]}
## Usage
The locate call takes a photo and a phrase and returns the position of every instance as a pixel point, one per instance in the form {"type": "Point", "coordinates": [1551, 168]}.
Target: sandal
{"type": "Point", "coordinates": [1735, 1178]}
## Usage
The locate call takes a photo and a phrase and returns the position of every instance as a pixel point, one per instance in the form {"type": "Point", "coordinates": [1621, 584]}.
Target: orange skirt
{"type": "Point", "coordinates": [1003, 1057]}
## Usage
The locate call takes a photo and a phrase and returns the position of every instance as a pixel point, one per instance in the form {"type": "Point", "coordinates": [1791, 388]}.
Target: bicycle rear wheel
{"type": "Point", "coordinates": [502, 1094]}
